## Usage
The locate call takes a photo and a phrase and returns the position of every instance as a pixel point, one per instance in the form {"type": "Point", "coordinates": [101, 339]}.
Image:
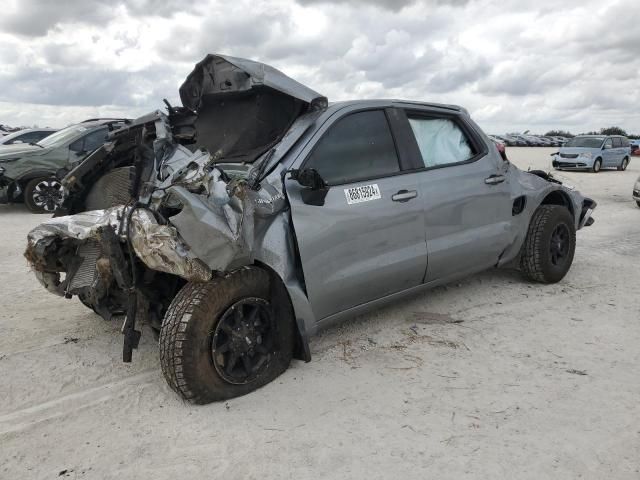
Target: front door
{"type": "Point", "coordinates": [368, 239]}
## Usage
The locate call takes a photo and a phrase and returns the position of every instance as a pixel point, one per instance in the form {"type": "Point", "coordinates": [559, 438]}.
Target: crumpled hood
{"type": "Point", "coordinates": [244, 107]}
{"type": "Point", "coordinates": [224, 75]}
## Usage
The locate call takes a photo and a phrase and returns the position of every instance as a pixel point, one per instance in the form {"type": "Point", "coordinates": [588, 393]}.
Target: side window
{"type": "Point", "coordinates": [441, 141]}
{"type": "Point", "coordinates": [617, 142]}
{"type": "Point", "coordinates": [40, 135]}
{"type": "Point", "coordinates": [356, 147]}
{"type": "Point", "coordinates": [95, 140]}
{"type": "Point", "coordinates": [608, 143]}
{"type": "Point", "coordinates": [625, 141]}
{"type": "Point", "coordinates": [77, 146]}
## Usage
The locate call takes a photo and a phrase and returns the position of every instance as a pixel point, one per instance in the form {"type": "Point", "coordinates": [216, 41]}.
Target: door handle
{"type": "Point", "coordinates": [404, 195]}
{"type": "Point", "coordinates": [494, 179]}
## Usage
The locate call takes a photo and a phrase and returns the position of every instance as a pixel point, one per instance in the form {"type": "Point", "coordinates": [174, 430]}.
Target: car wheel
{"type": "Point", "coordinates": [597, 165]}
{"type": "Point", "coordinates": [624, 164]}
{"type": "Point", "coordinates": [43, 195]}
{"type": "Point", "coordinates": [548, 250]}
{"type": "Point", "coordinates": [638, 203]}
{"type": "Point", "coordinates": [226, 337]}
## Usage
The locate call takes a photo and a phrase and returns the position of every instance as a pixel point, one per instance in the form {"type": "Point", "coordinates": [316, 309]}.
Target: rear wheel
{"type": "Point", "coordinates": [597, 165]}
{"type": "Point", "coordinates": [226, 337]}
{"type": "Point", "coordinates": [550, 245]}
{"type": "Point", "coordinates": [43, 195]}
{"type": "Point", "coordinates": [624, 164]}
{"type": "Point", "coordinates": [638, 203]}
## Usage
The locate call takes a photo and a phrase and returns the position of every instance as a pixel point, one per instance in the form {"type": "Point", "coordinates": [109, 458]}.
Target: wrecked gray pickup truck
{"type": "Point", "coordinates": [241, 223]}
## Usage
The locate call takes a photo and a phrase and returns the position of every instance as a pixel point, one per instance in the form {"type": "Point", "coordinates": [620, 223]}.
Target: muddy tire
{"type": "Point", "coordinates": [43, 195]}
{"type": "Point", "coordinates": [226, 337]}
{"type": "Point", "coordinates": [597, 165]}
{"type": "Point", "coordinates": [550, 245]}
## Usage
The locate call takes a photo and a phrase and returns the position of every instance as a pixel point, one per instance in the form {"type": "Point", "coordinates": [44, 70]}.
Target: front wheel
{"type": "Point", "coordinates": [625, 163]}
{"type": "Point", "coordinates": [226, 337]}
{"type": "Point", "coordinates": [43, 195]}
{"type": "Point", "coordinates": [597, 165]}
{"type": "Point", "coordinates": [548, 250]}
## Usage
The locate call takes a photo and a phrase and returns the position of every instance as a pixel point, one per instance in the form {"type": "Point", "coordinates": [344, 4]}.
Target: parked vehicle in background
{"type": "Point", "coordinates": [387, 198]}
{"type": "Point", "coordinates": [28, 136]}
{"type": "Point", "coordinates": [636, 192]}
{"type": "Point", "coordinates": [520, 140]}
{"type": "Point", "coordinates": [635, 146]}
{"type": "Point", "coordinates": [28, 171]}
{"type": "Point", "coordinates": [507, 140]}
{"type": "Point", "coordinates": [593, 152]}
{"type": "Point", "coordinates": [500, 146]}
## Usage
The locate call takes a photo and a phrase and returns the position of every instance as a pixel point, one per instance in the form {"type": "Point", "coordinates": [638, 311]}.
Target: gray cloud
{"type": "Point", "coordinates": [35, 18]}
{"type": "Point", "coordinates": [394, 5]}
{"type": "Point", "coordinates": [513, 64]}
{"type": "Point", "coordinates": [88, 86]}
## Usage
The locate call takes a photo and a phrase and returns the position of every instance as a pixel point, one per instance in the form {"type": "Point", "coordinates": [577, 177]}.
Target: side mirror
{"type": "Point", "coordinates": [316, 188]}
{"type": "Point", "coordinates": [308, 177]}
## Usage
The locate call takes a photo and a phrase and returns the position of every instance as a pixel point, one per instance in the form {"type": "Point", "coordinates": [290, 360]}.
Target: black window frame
{"type": "Point", "coordinates": [473, 137]}
{"type": "Point", "coordinates": [335, 121]}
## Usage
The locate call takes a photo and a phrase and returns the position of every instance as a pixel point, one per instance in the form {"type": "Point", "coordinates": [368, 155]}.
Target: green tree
{"type": "Point", "coordinates": [559, 133]}
{"type": "Point", "coordinates": [612, 131]}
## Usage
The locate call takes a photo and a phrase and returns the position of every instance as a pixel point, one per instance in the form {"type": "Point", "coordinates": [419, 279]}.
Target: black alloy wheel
{"type": "Point", "coordinates": [560, 245]}
{"type": "Point", "coordinates": [242, 341]}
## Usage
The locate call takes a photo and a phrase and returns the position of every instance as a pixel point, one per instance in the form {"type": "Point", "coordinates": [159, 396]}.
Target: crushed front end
{"type": "Point", "coordinates": [174, 198]}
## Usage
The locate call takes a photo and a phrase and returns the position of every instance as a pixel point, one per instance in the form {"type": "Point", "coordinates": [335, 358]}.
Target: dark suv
{"type": "Point", "coordinates": [28, 171]}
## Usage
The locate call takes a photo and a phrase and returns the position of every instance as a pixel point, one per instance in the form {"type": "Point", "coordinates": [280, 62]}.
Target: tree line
{"type": "Point", "coordinates": [603, 131]}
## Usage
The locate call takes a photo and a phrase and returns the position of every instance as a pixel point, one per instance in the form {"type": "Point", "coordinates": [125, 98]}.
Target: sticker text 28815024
{"type": "Point", "coordinates": [362, 193]}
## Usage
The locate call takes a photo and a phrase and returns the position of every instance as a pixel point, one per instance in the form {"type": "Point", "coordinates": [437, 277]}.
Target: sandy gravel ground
{"type": "Point", "coordinates": [492, 377]}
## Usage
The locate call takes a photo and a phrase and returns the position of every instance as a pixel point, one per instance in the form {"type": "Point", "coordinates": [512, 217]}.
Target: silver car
{"type": "Point", "coordinates": [242, 223]}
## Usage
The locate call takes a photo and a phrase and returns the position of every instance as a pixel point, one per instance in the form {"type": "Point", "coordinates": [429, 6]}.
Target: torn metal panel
{"type": "Point", "coordinates": [217, 232]}
{"type": "Point", "coordinates": [161, 249]}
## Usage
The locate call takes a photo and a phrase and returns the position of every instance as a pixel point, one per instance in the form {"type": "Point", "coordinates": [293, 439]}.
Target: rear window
{"type": "Point", "coordinates": [441, 141]}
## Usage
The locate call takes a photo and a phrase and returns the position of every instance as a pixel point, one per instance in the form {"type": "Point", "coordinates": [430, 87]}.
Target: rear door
{"type": "Point", "coordinates": [464, 187]}
{"type": "Point", "coordinates": [368, 238]}
{"type": "Point", "coordinates": [617, 153]}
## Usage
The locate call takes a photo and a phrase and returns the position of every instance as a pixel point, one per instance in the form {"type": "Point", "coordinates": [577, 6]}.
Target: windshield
{"type": "Point", "coordinates": [585, 142]}
{"type": "Point", "coordinates": [63, 135]}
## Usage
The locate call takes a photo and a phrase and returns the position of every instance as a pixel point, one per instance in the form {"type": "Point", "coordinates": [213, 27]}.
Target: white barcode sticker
{"type": "Point", "coordinates": [363, 193]}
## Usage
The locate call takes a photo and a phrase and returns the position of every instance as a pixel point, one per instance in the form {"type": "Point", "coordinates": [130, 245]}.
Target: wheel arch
{"type": "Point", "coordinates": [281, 292]}
{"type": "Point", "coordinates": [558, 197]}
{"type": "Point", "coordinates": [32, 174]}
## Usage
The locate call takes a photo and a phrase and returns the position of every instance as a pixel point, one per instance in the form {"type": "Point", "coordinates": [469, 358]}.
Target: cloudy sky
{"type": "Point", "coordinates": [514, 64]}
